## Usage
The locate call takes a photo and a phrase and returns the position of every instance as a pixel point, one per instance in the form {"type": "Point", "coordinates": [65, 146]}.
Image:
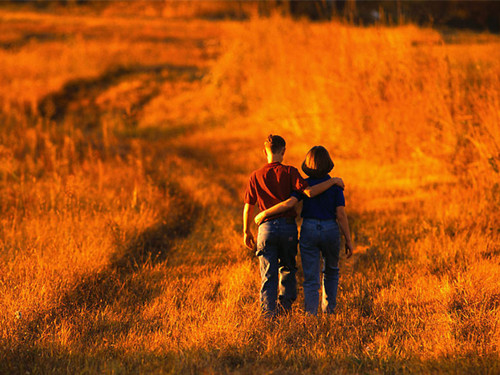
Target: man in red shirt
{"type": "Point", "coordinates": [277, 239]}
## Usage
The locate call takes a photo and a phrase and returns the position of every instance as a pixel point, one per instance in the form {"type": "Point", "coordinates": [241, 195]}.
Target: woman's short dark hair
{"type": "Point", "coordinates": [275, 143]}
{"type": "Point", "coordinates": [317, 163]}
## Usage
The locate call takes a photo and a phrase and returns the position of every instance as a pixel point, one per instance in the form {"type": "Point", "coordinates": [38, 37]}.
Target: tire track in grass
{"type": "Point", "coordinates": [119, 286]}
{"type": "Point", "coordinates": [78, 97]}
{"type": "Point", "coordinates": [116, 284]}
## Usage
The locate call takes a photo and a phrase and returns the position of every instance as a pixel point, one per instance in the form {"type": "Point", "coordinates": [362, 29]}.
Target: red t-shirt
{"type": "Point", "coordinates": [273, 184]}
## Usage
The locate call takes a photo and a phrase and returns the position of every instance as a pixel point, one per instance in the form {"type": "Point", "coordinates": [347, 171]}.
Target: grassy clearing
{"type": "Point", "coordinates": [122, 167]}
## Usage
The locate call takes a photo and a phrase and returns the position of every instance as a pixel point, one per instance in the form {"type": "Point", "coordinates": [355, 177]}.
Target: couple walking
{"type": "Point", "coordinates": [276, 188]}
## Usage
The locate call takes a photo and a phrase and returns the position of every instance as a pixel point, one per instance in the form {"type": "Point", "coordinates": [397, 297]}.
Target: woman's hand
{"type": "Point", "coordinates": [260, 218]}
{"type": "Point", "coordinates": [349, 248]}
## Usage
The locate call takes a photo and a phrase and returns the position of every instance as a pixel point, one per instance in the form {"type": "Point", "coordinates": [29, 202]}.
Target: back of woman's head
{"type": "Point", "coordinates": [317, 163]}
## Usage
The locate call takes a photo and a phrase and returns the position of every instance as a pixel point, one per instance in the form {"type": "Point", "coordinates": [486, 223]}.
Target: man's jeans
{"type": "Point", "coordinates": [277, 249]}
{"type": "Point", "coordinates": [320, 236]}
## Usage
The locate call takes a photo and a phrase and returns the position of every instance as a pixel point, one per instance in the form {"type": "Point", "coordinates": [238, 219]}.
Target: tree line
{"type": "Point", "coordinates": [468, 14]}
{"type": "Point", "coordinates": [477, 15]}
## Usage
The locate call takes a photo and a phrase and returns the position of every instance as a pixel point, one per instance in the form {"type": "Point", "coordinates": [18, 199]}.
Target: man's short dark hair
{"type": "Point", "coordinates": [275, 143]}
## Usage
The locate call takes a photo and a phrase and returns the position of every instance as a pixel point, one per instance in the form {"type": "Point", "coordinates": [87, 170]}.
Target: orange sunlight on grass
{"type": "Point", "coordinates": [126, 142]}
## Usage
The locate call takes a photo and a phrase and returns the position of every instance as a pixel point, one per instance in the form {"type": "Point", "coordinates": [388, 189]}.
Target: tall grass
{"type": "Point", "coordinates": [380, 93]}
{"type": "Point", "coordinates": [123, 164]}
{"type": "Point", "coordinates": [413, 122]}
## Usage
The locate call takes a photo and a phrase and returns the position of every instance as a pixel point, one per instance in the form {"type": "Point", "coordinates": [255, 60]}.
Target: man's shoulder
{"type": "Point", "coordinates": [258, 173]}
{"type": "Point", "coordinates": [276, 168]}
{"type": "Point", "coordinates": [260, 170]}
{"type": "Point", "coordinates": [289, 168]}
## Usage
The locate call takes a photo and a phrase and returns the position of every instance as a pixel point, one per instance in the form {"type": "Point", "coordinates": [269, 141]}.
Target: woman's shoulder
{"type": "Point", "coordinates": [337, 188]}
{"type": "Point", "coordinates": [313, 180]}
{"type": "Point", "coordinates": [337, 191]}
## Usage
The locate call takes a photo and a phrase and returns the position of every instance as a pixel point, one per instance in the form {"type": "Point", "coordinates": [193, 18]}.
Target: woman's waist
{"type": "Point", "coordinates": [318, 213]}
{"type": "Point", "coordinates": [316, 220]}
{"type": "Point", "coordinates": [314, 225]}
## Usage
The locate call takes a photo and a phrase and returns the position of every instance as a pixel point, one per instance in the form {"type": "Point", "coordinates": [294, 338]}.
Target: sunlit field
{"type": "Point", "coordinates": [127, 138]}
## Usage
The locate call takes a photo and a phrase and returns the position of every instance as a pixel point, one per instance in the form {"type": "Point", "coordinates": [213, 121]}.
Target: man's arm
{"type": "Point", "coordinates": [276, 209]}
{"type": "Point", "coordinates": [248, 238]}
{"type": "Point", "coordinates": [312, 191]}
{"type": "Point", "coordinates": [344, 226]}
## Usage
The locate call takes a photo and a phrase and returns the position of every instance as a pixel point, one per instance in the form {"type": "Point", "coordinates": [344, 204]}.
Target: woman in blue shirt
{"type": "Point", "coordinates": [319, 234]}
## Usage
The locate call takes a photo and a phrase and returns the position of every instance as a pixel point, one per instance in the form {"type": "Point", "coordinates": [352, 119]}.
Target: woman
{"type": "Point", "coordinates": [322, 216]}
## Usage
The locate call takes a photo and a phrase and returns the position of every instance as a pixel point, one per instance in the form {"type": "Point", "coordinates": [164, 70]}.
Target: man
{"type": "Point", "coordinates": [276, 244]}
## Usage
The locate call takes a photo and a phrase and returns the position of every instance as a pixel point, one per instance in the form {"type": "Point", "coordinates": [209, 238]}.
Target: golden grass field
{"type": "Point", "coordinates": [127, 137]}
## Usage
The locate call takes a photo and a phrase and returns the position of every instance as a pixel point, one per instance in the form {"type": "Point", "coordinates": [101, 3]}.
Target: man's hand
{"type": "Point", "coordinates": [260, 218]}
{"type": "Point", "coordinates": [339, 182]}
{"type": "Point", "coordinates": [249, 240]}
{"type": "Point", "coordinates": [349, 248]}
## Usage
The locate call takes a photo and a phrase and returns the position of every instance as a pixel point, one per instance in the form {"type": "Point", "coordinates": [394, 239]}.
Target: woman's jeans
{"type": "Point", "coordinates": [320, 236]}
{"type": "Point", "coordinates": [277, 249]}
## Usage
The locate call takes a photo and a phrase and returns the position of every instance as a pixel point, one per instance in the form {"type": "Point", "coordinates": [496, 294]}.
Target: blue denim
{"type": "Point", "coordinates": [277, 249]}
{"type": "Point", "coordinates": [320, 237]}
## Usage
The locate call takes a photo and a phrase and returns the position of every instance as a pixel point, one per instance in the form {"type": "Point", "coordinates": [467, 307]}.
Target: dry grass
{"type": "Point", "coordinates": [125, 146]}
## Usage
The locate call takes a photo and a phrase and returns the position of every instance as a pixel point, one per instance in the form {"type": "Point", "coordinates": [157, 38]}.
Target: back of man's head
{"type": "Point", "coordinates": [275, 143]}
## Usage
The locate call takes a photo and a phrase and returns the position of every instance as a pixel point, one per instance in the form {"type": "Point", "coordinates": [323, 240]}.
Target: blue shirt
{"type": "Point", "coordinates": [322, 206]}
